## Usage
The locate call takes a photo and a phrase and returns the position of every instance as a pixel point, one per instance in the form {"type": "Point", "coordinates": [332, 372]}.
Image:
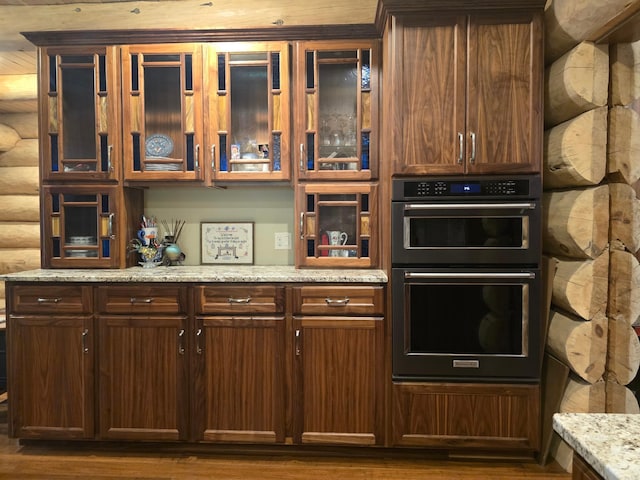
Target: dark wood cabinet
{"type": "Point", "coordinates": [466, 93]}
{"type": "Point", "coordinates": [337, 384]}
{"type": "Point", "coordinates": [582, 470]}
{"type": "Point", "coordinates": [50, 352]}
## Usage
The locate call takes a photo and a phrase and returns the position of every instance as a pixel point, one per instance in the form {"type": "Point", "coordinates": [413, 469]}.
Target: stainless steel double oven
{"type": "Point", "coordinates": [466, 284]}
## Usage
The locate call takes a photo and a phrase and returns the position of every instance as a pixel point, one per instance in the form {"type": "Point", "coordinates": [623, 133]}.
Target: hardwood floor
{"type": "Point", "coordinates": [125, 461]}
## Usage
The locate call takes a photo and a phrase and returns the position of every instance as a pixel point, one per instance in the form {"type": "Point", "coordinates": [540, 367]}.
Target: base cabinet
{"type": "Point", "coordinates": [489, 416]}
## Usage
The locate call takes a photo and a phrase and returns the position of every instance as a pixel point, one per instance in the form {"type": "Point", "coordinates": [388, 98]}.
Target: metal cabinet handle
{"type": "Point", "coordinates": [213, 157]}
{"type": "Point", "coordinates": [337, 302]}
{"type": "Point", "coordinates": [239, 300]}
{"type": "Point", "coordinates": [85, 334]}
{"type": "Point", "coordinates": [135, 300]}
{"type": "Point", "coordinates": [469, 275]}
{"type": "Point", "coordinates": [301, 225]}
{"type": "Point", "coordinates": [198, 346]}
{"type": "Point", "coordinates": [110, 227]}
{"type": "Point", "coordinates": [196, 163]}
{"type": "Point", "coordinates": [302, 157]}
{"type": "Point", "coordinates": [298, 338]}
{"type": "Point", "coordinates": [460, 148]}
{"type": "Point", "coordinates": [473, 147]}
{"type": "Point", "coordinates": [180, 342]}
{"type": "Point", "coordinates": [49, 300]}
{"type": "Point", "coordinates": [109, 164]}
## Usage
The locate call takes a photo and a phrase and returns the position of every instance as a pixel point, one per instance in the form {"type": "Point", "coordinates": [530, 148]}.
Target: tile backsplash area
{"type": "Point", "coordinates": [271, 209]}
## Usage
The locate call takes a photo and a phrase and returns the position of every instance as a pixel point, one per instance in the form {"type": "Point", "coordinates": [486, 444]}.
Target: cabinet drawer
{"type": "Point", "coordinates": [132, 300]}
{"type": "Point", "coordinates": [51, 299]}
{"type": "Point", "coordinates": [239, 299]}
{"type": "Point", "coordinates": [338, 300]}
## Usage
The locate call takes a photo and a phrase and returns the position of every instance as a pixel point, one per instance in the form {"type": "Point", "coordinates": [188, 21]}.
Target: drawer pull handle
{"type": "Point", "coordinates": [337, 302]}
{"type": "Point", "coordinates": [198, 346]}
{"type": "Point", "coordinates": [85, 334]}
{"type": "Point", "coordinates": [239, 300]}
{"type": "Point", "coordinates": [49, 300]}
{"type": "Point", "coordinates": [141, 300]}
{"type": "Point", "coordinates": [180, 342]}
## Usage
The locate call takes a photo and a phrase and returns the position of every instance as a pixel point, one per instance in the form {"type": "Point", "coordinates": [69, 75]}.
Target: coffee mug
{"type": "Point", "coordinates": [336, 237]}
{"type": "Point", "coordinates": [148, 235]}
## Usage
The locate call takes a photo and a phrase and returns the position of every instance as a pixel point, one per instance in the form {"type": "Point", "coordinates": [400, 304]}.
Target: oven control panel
{"type": "Point", "coordinates": [478, 187]}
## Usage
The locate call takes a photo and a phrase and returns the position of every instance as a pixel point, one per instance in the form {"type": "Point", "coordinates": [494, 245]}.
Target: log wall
{"type": "Point", "coordinates": [19, 181]}
{"type": "Point", "coordinates": [592, 211]}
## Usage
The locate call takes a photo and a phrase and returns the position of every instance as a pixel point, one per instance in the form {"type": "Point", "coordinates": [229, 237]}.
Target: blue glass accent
{"type": "Point", "coordinates": [102, 73]}
{"type": "Point", "coordinates": [222, 85]}
{"type": "Point", "coordinates": [135, 139]}
{"type": "Point", "coordinates": [364, 247]}
{"type": "Point", "coordinates": [365, 151]}
{"type": "Point", "coordinates": [311, 137]}
{"type": "Point", "coordinates": [364, 201]}
{"type": "Point", "coordinates": [188, 72]}
{"type": "Point", "coordinates": [106, 246]}
{"type": "Point", "coordinates": [223, 153]}
{"type": "Point", "coordinates": [53, 74]}
{"type": "Point", "coordinates": [275, 152]}
{"type": "Point", "coordinates": [55, 247]}
{"type": "Point", "coordinates": [104, 203]}
{"type": "Point", "coordinates": [366, 70]}
{"type": "Point", "coordinates": [134, 73]}
{"type": "Point", "coordinates": [311, 248]}
{"type": "Point", "coordinates": [53, 139]}
{"type": "Point", "coordinates": [104, 153]}
{"type": "Point", "coordinates": [275, 70]}
{"type": "Point", "coordinates": [55, 203]}
{"type": "Point", "coordinates": [190, 152]}
{"type": "Point", "coordinates": [310, 70]}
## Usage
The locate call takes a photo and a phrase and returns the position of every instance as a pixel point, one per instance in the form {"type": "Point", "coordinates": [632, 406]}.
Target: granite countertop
{"type": "Point", "coordinates": [609, 442]}
{"type": "Point", "coordinates": [202, 273]}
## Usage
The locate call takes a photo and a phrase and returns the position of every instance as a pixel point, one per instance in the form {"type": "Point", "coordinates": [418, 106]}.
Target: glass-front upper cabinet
{"type": "Point", "coordinates": [162, 117]}
{"type": "Point", "coordinates": [79, 114]}
{"type": "Point", "coordinates": [247, 114]}
{"type": "Point", "coordinates": [336, 101]}
{"type": "Point", "coordinates": [337, 224]}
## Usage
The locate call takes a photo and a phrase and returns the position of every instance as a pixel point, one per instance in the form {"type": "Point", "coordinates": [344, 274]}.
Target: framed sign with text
{"type": "Point", "coordinates": [226, 243]}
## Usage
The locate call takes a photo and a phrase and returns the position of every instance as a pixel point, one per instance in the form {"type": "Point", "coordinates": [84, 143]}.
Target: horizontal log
{"type": "Point", "coordinates": [580, 286]}
{"type": "Point", "coordinates": [19, 208]}
{"type": "Point", "coordinates": [19, 235]}
{"type": "Point", "coordinates": [19, 180]}
{"type": "Point", "coordinates": [19, 106]}
{"type": "Point", "coordinates": [26, 124]}
{"type": "Point", "coordinates": [623, 353]}
{"type": "Point", "coordinates": [583, 397]}
{"type": "Point", "coordinates": [576, 83]}
{"type": "Point", "coordinates": [620, 399]}
{"type": "Point", "coordinates": [579, 344]}
{"type": "Point", "coordinates": [19, 259]}
{"type": "Point", "coordinates": [8, 138]}
{"type": "Point", "coordinates": [575, 152]}
{"type": "Point", "coordinates": [624, 217]}
{"type": "Point", "coordinates": [19, 87]}
{"type": "Point", "coordinates": [623, 149]}
{"type": "Point", "coordinates": [625, 70]}
{"type": "Point", "coordinates": [23, 154]}
{"type": "Point", "coordinates": [576, 222]}
{"type": "Point", "coordinates": [569, 22]}
{"type": "Point", "coordinates": [624, 287]}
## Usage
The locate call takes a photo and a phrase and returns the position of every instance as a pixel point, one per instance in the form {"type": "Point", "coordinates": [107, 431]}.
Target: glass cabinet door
{"type": "Point", "coordinates": [337, 225]}
{"type": "Point", "coordinates": [247, 111]}
{"type": "Point", "coordinates": [336, 102]}
{"type": "Point", "coordinates": [80, 114]}
{"type": "Point", "coordinates": [162, 111]}
{"type": "Point", "coordinates": [79, 226]}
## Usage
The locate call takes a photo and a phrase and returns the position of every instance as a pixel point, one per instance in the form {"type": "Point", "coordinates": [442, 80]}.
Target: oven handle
{"type": "Point", "coordinates": [458, 206]}
{"type": "Point", "coordinates": [469, 275]}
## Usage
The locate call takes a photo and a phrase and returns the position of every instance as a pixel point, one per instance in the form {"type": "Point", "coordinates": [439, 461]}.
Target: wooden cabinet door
{"type": "Point", "coordinates": [143, 377]}
{"type": "Point", "coordinates": [51, 376]}
{"type": "Point", "coordinates": [337, 394]}
{"type": "Point", "coordinates": [239, 379]}
{"type": "Point", "coordinates": [504, 114]}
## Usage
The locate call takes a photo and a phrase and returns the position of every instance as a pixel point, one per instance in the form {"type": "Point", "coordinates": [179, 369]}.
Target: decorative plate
{"type": "Point", "coordinates": [158, 145]}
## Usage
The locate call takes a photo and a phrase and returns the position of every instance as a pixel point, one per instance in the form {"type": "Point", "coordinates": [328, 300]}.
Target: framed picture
{"type": "Point", "coordinates": [226, 243]}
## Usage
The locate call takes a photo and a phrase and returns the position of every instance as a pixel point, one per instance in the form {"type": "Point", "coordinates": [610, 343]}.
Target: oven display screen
{"type": "Point", "coordinates": [459, 188]}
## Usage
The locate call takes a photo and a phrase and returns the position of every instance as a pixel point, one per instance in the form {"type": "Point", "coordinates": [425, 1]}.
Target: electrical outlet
{"type": "Point", "coordinates": [282, 241]}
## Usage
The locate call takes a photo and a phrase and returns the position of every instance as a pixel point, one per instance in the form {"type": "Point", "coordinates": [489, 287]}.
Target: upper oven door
{"type": "Point", "coordinates": [466, 232]}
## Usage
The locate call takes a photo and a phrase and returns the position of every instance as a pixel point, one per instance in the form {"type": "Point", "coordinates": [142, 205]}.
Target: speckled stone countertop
{"type": "Point", "coordinates": [609, 442]}
{"type": "Point", "coordinates": [208, 273]}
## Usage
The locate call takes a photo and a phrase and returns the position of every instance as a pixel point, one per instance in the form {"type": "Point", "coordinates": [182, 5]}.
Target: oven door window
{"type": "Point", "coordinates": [471, 319]}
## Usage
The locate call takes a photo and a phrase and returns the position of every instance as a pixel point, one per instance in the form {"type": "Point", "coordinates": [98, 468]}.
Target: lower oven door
{"type": "Point", "coordinates": [466, 324]}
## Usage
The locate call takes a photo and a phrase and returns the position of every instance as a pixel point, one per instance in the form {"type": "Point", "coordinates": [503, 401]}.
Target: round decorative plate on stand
{"type": "Point", "coordinates": [158, 145]}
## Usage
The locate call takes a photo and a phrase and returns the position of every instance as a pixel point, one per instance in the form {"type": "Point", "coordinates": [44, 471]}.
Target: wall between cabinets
{"type": "Point", "coordinates": [271, 208]}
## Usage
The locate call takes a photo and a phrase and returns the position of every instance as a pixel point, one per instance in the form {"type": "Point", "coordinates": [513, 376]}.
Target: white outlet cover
{"type": "Point", "coordinates": [282, 241]}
